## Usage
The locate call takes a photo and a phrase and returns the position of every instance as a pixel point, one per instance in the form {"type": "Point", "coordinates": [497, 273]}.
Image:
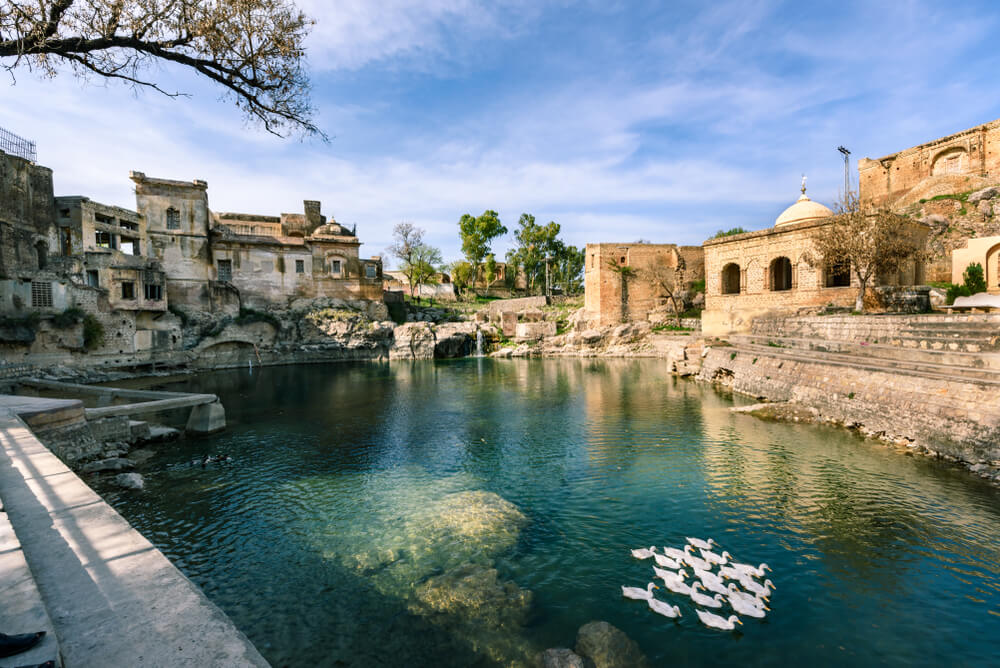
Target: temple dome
{"type": "Point", "coordinates": [803, 210]}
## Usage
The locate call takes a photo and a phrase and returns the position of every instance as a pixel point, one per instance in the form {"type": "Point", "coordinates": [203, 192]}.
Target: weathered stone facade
{"type": "Point", "coordinates": [776, 270]}
{"type": "Point", "coordinates": [620, 280]}
{"type": "Point", "coordinates": [971, 153]}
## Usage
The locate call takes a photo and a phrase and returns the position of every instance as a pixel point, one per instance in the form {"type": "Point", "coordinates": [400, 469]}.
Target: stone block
{"type": "Point", "coordinates": [535, 330]}
{"type": "Point", "coordinates": [207, 419]}
{"type": "Point", "coordinates": [508, 323]}
{"type": "Point", "coordinates": [532, 316]}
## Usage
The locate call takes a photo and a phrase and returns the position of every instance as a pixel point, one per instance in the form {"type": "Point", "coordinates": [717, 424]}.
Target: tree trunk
{"type": "Point", "coordinates": [677, 311]}
{"type": "Point", "coordinates": [859, 301]}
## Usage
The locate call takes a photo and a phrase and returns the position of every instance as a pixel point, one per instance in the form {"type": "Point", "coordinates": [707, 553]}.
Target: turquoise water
{"type": "Point", "coordinates": [477, 511]}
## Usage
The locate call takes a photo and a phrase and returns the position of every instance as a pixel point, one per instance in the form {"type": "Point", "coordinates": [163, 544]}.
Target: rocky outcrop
{"type": "Point", "coordinates": [560, 657]}
{"type": "Point", "coordinates": [455, 339]}
{"type": "Point", "coordinates": [608, 647]}
{"type": "Point", "coordinates": [413, 341]}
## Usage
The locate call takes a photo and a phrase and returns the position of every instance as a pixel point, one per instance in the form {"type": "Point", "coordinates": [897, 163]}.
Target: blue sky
{"type": "Point", "coordinates": [618, 120]}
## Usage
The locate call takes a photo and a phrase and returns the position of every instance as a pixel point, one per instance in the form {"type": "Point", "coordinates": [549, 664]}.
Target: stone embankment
{"type": "Point", "coordinates": [929, 384]}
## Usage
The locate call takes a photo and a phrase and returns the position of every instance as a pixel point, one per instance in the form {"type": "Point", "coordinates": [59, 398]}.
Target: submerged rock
{"type": "Point", "coordinates": [560, 657]}
{"type": "Point", "coordinates": [130, 481]}
{"type": "Point", "coordinates": [473, 594]}
{"type": "Point", "coordinates": [112, 464]}
{"type": "Point", "coordinates": [608, 646]}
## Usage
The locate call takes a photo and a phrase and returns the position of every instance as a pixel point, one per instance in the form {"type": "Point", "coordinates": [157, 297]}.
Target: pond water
{"type": "Point", "coordinates": [478, 511]}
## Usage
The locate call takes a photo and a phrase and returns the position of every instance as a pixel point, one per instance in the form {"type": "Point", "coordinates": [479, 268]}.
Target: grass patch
{"type": "Point", "coordinates": [958, 197]}
{"type": "Point", "coordinates": [68, 318]}
{"type": "Point", "coordinates": [248, 316]}
{"type": "Point", "coordinates": [670, 327]}
{"type": "Point", "coordinates": [775, 344]}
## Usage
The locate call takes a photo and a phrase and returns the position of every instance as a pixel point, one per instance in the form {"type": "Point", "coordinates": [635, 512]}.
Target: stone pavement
{"type": "Point", "coordinates": [112, 597]}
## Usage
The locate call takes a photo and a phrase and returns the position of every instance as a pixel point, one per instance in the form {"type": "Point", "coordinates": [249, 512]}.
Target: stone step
{"type": "Point", "coordinates": [957, 358]}
{"type": "Point", "coordinates": [925, 369]}
{"type": "Point", "coordinates": [23, 610]}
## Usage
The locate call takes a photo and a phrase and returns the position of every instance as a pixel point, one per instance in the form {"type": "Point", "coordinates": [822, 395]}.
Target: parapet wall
{"type": "Point", "coordinates": [959, 419]}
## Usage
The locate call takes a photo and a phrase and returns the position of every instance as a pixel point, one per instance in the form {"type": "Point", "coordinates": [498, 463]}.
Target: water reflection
{"type": "Point", "coordinates": [323, 543]}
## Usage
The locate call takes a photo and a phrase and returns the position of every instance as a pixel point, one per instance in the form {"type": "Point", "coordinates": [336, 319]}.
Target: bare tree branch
{"type": "Point", "coordinates": [254, 49]}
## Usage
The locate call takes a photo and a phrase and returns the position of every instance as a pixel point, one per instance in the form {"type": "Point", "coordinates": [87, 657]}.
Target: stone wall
{"type": "Point", "coordinates": [975, 151]}
{"type": "Point", "coordinates": [959, 419]}
{"type": "Point", "coordinates": [611, 300]}
{"type": "Point", "coordinates": [26, 214]}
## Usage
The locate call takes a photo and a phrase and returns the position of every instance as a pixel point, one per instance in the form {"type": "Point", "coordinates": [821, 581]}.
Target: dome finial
{"type": "Point", "coordinates": [803, 184]}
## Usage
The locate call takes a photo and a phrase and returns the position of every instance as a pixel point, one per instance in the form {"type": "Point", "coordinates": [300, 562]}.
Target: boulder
{"type": "Point", "coordinates": [985, 193]}
{"type": "Point", "coordinates": [608, 646]}
{"type": "Point", "coordinates": [985, 207]}
{"type": "Point", "coordinates": [455, 339]}
{"type": "Point", "coordinates": [473, 593]}
{"type": "Point", "coordinates": [413, 341]}
{"type": "Point", "coordinates": [111, 464]}
{"type": "Point", "coordinates": [591, 336]}
{"type": "Point", "coordinates": [130, 481]}
{"type": "Point", "coordinates": [560, 657]}
{"type": "Point", "coordinates": [535, 330]}
{"type": "Point", "coordinates": [937, 222]}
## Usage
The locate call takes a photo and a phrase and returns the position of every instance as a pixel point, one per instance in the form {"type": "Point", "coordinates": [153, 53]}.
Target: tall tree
{"type": "Point", "coordinates": [423, 267]}
{"type": "Point", "coordinates": [569, 269]}
{"type": "Point", "coordinates": [874, 240]}
{"type": "Point", "coordinates": [534, 243]}
{"type": "Point", "coordinates": [254, 49]}
{"type": "Point", "coordinates": [477, 235]}
{"type": "Point", "coordinates": [417, 260]}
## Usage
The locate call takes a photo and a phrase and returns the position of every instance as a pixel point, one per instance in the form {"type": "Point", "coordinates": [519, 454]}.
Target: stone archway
{"type": "Point", "coordinates": [992, 269]}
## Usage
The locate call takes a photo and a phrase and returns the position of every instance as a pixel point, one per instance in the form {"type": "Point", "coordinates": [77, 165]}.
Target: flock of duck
{"type": "Point", "coordinates": [749, 598]}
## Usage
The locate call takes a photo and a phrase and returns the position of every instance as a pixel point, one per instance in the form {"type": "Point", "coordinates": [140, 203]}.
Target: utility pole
{"type": "Point", "coordinates": [847, 169]}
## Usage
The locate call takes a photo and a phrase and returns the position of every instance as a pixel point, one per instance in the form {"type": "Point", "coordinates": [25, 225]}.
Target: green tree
{"type": "Point", "coordinates": [461, 276]}
{"type": "Point", "coordinates": [477, 234]}
{"type": "Point", "coordinates": [253, 49]}
{"type": "Point", "coordinates": [569, 269]}
{"type": "Point", "coordinates": [975, 279]}
{"type": "Point", "coordinates": [490, 270]}
{"type": "Point", "coordinates": [730, 232]}
{"type": "Point", "coordinates": [534, 243]}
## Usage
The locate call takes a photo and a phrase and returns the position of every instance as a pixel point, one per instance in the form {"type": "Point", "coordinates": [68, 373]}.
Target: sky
{"type": "Point", "coordinates": [664, 121]}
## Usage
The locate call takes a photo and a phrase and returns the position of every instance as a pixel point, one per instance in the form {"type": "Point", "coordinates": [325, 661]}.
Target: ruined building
{"type": "Point", "coordinates": [629, 282]}
{"type": "Point", "coordinates": [82, 281]}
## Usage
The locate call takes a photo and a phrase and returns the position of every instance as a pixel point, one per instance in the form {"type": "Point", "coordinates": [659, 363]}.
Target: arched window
{"type": "Point", "coordinates": [838, 275]}
{"type": "Point", "coordinates": [731, 279]}
{"type": "Point", "coordinates": [781, 274]}
{"type": "Point", "coordinates": [173, 219]}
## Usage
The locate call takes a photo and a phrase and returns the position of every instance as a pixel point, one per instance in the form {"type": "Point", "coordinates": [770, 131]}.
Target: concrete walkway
{"type": "Point", "coordinates": [112, 597]}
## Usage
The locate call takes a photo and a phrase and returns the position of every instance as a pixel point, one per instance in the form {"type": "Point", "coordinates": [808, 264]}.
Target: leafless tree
{"type": "Point", "coordinates": [874, 240]}
{"type": "Point", "coordinates": [669, 281]}
{"type": "Point", "coordinates": [252, 48]}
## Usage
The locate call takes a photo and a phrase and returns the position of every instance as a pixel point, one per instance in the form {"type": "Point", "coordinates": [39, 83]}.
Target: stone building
{"type": "Point", "coordinates": [224, 261]}
{"type": "Point", "coordinates": [623, 282]}
{"type": "Point", "coordinates": [962, 162]}
{"type": "Point", "coordinates": [773, 271]}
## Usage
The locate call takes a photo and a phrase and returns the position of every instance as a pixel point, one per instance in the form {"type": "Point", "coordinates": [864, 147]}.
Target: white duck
{"type": "Point", "coordinates": [678, 587]}
{"type": "Point", "coordinates": [661, 608]}
{"type": "Point", "coordinates": [711, 581]}
{"type": "Point", "coordinates": [717, 622]}
{"type": "Point", "coordinates": [639, 594]}
{"type": "Point", "coordinates": [695, 562]}
{"type": "Point", "coordinates": [703, 600]}
{"type": "Point", "coordinates": [703, 544]}
{"type": "Point", "coordinates": [669, 575]}
{"type": "Point", "coordinates": [744, 607]}
{"type": "Point", "coordinates": [730, 572]}
{"type": "Point", "coordinates": [666, 562]}
{"type": "Point", "coordinates": [757, 572]}
{"type": "Point", "coordinates": [714, 558]}
{"type": "Point", "coordinates": [674, 553]}
{"type": "Point", "coordinates": [749, 599]}
{"type": "Point", "coordinates": [644, 553]}
{"type": "Point", "coordinates": [753, 586]}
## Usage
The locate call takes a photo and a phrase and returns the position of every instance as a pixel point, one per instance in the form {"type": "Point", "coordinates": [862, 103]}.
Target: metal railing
{"type": "Point", "coordinates": [12, 144]}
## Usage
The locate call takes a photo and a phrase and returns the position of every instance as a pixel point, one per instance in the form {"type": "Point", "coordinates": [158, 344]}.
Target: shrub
{"type": "Point", "coordinates": [68, 318]}
{"type": "Point", "coordinates": [93, 332]}
{"type": "Point", "coordinates": [975, 279]}
{"type": "Point", "coordinates": [955, 291]}
{"type": "Point", "coordinates": [730, 232]}
{"type": "Point", "coordinates": [698, 286]}
{"type": "Point", "coordinates": [249, 316]}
